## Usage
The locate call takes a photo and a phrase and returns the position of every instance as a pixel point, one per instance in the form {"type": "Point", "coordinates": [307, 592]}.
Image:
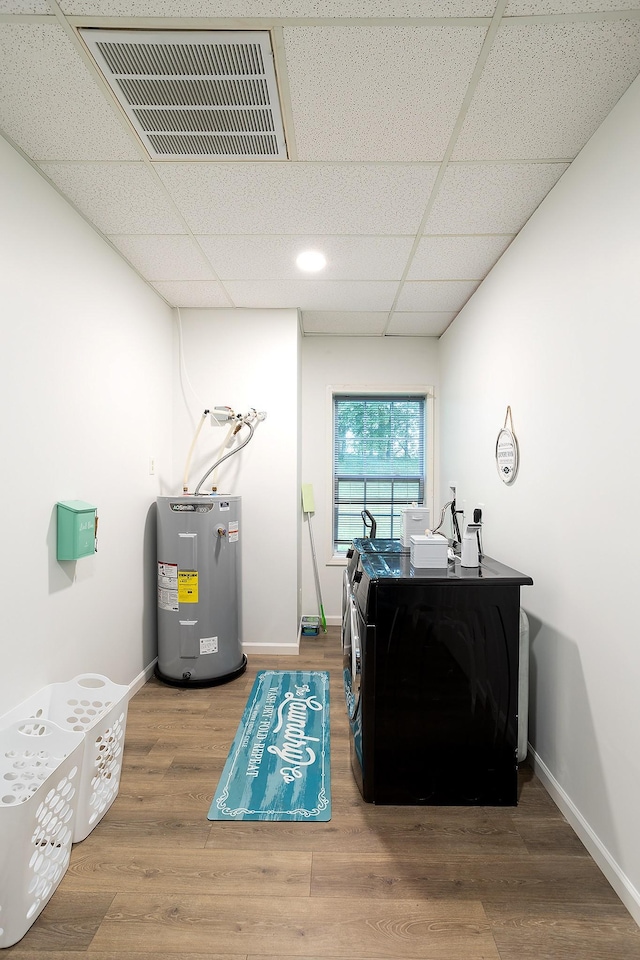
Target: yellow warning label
{"type": "Point", "coordinates": [187, 586]}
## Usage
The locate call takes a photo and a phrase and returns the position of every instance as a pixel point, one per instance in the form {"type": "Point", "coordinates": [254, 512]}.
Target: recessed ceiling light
{"type": "Point", "coordinates": [311, 261]}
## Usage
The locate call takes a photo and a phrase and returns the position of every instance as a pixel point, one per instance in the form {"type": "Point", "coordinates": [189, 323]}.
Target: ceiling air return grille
{"type": "Point", "coordinates": [195, 95]}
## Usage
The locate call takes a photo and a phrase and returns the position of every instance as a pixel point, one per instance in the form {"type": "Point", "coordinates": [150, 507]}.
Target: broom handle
{"type": "Point", "coordinates": [317, 578]}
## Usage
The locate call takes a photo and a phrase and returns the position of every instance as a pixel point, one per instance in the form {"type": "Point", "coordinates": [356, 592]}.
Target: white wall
{"type": "Point", "coordinates": [244, 359]}
{"type": "Point", "coordinates": [554, 331]}
{"type": "Point", "coordinates": [356, 363]}
{"type": "Point", "coordinates": [85, 366]}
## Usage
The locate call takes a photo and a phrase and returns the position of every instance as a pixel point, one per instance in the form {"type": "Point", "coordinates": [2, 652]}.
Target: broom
{"type": "Point", "coordinates": [308, 507]}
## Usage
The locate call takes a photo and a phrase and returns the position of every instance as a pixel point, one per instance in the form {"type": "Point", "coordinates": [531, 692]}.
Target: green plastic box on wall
{"type": "Point", "coordinates": [76, 529]}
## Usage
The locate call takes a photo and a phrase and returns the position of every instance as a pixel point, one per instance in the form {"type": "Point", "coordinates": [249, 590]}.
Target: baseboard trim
{"type": "Point", "coordinates": [272, 649]}
{"type": "Point", "coordinates": [620, 882]}
{"type": "Point", "coordinates": [138, 682]}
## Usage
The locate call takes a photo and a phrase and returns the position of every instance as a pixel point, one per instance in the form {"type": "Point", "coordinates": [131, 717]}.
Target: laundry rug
{"type": "Point", "coordinates": [278, 766]}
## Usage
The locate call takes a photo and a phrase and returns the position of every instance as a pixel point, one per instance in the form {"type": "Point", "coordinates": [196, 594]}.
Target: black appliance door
{"type": "Point", "coordinates": [446, 694]}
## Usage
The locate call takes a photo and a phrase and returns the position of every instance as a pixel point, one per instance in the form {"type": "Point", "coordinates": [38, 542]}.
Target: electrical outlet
{"type": "Point", "coordinates": [152, 466]}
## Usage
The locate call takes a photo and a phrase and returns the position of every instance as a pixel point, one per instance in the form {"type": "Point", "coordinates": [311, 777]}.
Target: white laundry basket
{"type": "Point", "coordinates": [97, 707]}
{"type": "Point", "coordinates": [39, 778]}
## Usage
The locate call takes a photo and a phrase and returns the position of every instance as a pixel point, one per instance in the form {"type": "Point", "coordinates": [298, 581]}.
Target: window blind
{"type": "Point", "coordinates": [378, 462]}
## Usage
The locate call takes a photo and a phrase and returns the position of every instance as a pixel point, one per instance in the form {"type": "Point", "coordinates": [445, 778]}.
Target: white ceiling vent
{"type": "Point", "coordinates": [195, 95]}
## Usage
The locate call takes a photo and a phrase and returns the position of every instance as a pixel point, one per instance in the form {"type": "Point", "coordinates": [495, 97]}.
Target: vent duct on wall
{"type": "Point", "coordinates": [195, 95]}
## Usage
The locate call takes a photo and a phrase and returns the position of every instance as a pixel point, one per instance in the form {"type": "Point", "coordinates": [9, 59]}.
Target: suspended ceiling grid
{"type": "Point", "coordinates": [421, 137]}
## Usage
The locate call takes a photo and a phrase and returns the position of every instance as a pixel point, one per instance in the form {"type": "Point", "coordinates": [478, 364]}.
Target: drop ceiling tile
{"type": "Point", "coordinates": [24, 6]}
{"type": "Point", "coordinates": [280, 8]}
{"type": "Point", "coordinates": [116, 197]}
{"type": "Point", "coordinates": [524, 8]}
{"type": "Point", "coordinates": [378, 93]}
{"type": "Point", "coordinates": [456, 258]}
{"type": "Point", "coordinates": [273, 258]}
{"type": "Point", "coordinates": [504, 196]}
{"type": "Point", "coordinates": [165, 257]}
{"type": "Point", "coordinates": [419, 324]}
{"type": "Point", "coordinates": [546, 87]}
{"type": "Point", "coordinates": [435, 295]}
{"type": "Point", "coordinates": [300, 198]}
{"type": "Point", "coordinates": [50, 105]}
{"type": "Point", "coordinates": [331, 295]}
{"type": "Point", "coordinates": [193, 293]}
{"type": "Point", "coordinates": [344, 323]}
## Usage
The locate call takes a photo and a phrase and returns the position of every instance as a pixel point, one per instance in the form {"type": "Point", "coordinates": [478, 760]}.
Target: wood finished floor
{"type": "Point", "coordinates": [156, 878]}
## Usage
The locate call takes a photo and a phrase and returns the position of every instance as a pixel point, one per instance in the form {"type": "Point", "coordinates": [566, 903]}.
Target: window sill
{"type": "Point", "coordinates": [336, 560]}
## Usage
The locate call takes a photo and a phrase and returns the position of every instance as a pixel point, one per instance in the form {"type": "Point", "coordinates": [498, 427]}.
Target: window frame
{"type": "Point", "coordinates": [406, 390]}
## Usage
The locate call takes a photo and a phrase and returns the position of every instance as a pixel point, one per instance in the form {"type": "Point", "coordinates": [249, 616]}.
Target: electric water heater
{"type": "Point", "coordinates": [199, 612]}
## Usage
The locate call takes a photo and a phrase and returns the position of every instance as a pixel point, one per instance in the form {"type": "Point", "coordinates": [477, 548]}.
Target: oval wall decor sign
{"type": "Point", "coordinates": [507, 451]}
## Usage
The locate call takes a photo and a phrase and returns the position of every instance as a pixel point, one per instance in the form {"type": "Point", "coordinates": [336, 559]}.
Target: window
{"type": "Point", "coordinates": [378, 462]}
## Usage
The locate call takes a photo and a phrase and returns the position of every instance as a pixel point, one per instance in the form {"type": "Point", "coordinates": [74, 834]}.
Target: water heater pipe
{"type": "Point", "coordinates": [185, 479]}
{"type": "Point", "coordinates": [227, 455]}
{"type": "Point", "coordinates": [226, 444]}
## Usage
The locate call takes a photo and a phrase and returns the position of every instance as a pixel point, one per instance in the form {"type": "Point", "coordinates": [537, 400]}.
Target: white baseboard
{"type": "Point", "coordinates": [272, 649]}
{"type": "Point", "coordinates": [620, 882]}
{"type": "Point", "coordinates": [142, 678]}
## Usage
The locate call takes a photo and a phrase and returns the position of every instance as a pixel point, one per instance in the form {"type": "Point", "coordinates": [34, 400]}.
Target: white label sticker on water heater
{"type": "Point", "coordinates": [168, 586]}
{"type": "Point", "coordinates": [233, 531]}
{"type": "Point", "coordinates": [225, 505]}
{"type": "Point", "coordinates": [208, 645]}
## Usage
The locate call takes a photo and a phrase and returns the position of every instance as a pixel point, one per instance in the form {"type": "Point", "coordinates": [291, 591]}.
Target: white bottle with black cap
{"type": "Point", "coordinates": [470, 554]}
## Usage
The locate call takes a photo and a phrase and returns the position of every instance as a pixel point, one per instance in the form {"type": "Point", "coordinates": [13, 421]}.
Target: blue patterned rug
{"type": "Point", "coordinates": [278, 765]}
